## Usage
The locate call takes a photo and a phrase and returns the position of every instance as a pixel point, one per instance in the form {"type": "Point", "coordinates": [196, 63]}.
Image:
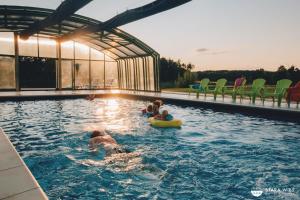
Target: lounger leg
{"type": "Point", "coordinates": [279, 101]}
{"type": "Point", "coordinates": [197, 94]}
{"type": "Point", "coordinates": [233, 98]}
{"type": "Point", "coordinates": [253, 99]}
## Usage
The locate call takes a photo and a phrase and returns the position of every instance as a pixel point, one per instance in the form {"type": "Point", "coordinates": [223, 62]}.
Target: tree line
{"type": "Point", "coordinates": [178, 74]}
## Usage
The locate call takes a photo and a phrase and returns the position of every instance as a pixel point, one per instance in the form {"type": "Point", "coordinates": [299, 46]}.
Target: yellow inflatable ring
{"type": "Point", "coordinates": [175, 123]}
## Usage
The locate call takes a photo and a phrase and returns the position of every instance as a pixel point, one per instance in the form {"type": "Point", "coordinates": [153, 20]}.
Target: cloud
{"type": "Point", "coordinates": [202, 50]}
{"type": "Point", "coordinates": [205, 51]}
{"type": "Point", "coordinates": [218, 52]}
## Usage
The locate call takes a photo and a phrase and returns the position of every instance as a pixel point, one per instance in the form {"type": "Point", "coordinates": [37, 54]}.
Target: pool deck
{"type": "Point", "coordinates": [224, 105]}
{"type": "Point", "coordinates": [16, 181]}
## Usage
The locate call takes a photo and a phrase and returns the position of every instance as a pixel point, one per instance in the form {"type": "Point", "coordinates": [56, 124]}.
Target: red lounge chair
{"type": "Point", "coordinates": [293, 94]}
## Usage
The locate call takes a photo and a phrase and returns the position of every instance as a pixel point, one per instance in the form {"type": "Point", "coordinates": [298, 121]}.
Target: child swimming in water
{"type": "Point", "coordinates": [149, 111]}
{"type": "Point", "coordinates": [165, 116]}
{"type": "Point", "coordinates": [109, 144]}
{"type": "Point", "coordinates": [159, 103]}
{"type": "Point", "coordinates": [155, 110]}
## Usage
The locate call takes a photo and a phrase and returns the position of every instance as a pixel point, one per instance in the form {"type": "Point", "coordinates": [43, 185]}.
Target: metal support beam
{"type": "Point", "coordinates": [158, 73]}
{"type": "Point", "coordinates": [17, 64]}
{"type": "Point", "coordinates": [65, 10]}
{"type": "Point", "coordinates": [127, 17]}
{"type": "Point", "coordinates": [73, 68]}
{"type": "Point", "coordinates": [90, 70]}
{"type": "Point", "coordinates": [104, 71]}
{"type": "Point", "coordinates": [59, 70]}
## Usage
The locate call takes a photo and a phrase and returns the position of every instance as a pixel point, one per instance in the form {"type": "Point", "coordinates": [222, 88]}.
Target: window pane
{"type": "Point", "coordinates": [28, 47]}
{"type": "Point", "coordinates": [81, 51]}
{"type": "Point", "coordinates": [67, 50]}
{"type": "Point", "coordinates": [47, 48]}
{"type": "Point", "coordinates": [96, 55]}
{"type": "Point", "coordinates": [123, 74]}
{"type": "Point", "coordinates": [81, 74]}
{"type": "Point", "coordinates": [111, 75]}
{"type": "Point", "coordinates": [132, 77]}
{"type": "Point", "coordinates": [97, 73]}
{"type": "Point", "coordinates": [141, 74]}
{"type": "Point", "coordinates": [7, 73]}
{"type": "Point", "coordinates": [7, 43]}
{"type": "Point", "coordinates": [151, 73]}
{"type": "Point", "coordinates": [66, 74]}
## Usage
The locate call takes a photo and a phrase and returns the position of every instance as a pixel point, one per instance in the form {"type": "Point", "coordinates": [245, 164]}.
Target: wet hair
{"type": "Point", "coordinates": [97, 133]}
{"type": "Point", "coordinates": [155, 109]}
{"type": "Point", "coordinates": [158, 103]}
{"type": "Point", "coordinates": [165, 112]}
{"type": "Point", "coordinates": [150, 108]}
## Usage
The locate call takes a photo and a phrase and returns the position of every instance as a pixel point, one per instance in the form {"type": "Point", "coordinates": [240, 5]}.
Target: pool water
{"type": "Point", "coordinates": [213, 156]}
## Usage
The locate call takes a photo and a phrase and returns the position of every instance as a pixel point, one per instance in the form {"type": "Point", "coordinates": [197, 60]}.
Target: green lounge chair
{"type": "Point", "coordinates": [237, 89]}
{"type": "Point", "coordinates": [256, 89]}
{"type": "Point", "coordinates": [219, 88]}
{"type": "Point", "coordinates": [279, 92]}
{"type": "Point", "coordinates": [202, 88]}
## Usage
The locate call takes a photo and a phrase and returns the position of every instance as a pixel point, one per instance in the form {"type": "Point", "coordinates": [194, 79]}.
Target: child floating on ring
{"type": "Point", "coordinates": [153, 109]}
{"type": "Point", "coordinates": [165, 116]}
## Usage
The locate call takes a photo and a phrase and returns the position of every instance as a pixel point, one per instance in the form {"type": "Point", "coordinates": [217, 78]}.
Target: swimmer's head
{"type": "Point", "coordinates": [165, 113]}
{"type": "Point", "coordinates": [158, 103]}
{"type": "Point", "coordinates": [97, 133]}
{"type": "Point", "coordinates": [150, 108]}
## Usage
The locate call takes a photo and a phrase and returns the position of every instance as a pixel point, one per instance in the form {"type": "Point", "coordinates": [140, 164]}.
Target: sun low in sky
{"type": "Point", "coordinates": [211, 34]}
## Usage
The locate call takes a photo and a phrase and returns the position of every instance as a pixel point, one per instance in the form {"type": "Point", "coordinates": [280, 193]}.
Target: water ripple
{"type": "Point", "coordinates": [214, 155]}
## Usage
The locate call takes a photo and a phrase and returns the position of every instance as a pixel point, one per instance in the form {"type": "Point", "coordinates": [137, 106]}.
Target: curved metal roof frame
{"type": "Point", "coordinates": [118, 43]}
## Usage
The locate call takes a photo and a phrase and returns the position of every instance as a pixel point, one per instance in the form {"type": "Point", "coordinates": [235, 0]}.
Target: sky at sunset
{"type": "Point", "coordinates": [211, 34]}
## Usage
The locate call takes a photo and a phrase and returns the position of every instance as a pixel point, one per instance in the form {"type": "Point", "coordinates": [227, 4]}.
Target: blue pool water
{"type": "Point", "coordinates": [213, 156]}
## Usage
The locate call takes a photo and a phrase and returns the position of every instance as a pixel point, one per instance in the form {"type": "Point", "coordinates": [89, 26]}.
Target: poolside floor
{"type": "Point", "coordinates": [16, 181]}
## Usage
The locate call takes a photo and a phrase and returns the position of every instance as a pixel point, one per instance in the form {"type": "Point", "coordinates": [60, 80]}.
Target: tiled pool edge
{"type": "Point", "coordinates": [16, 180]}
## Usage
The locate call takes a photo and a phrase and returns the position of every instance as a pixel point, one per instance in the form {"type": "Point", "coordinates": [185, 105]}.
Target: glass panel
{"type": "Point", "coordinates": [123, 74]}
{"type": "Point", "coordinates": [28, 47]}
{"type": "Point", "coordinates": [7, 43]}
{"type": "Point", "coordinates": [81, 74]}
{"type": "Point", "coordinates": [127, 51]}
{"type": "Point", "coordinates": [131, 68]}
{"type": "Point", "coordinates": [151, 73]}
{"type": "Point", "coordinates": [81, 51]}
{"type": "Point", "coordinates": [97, 68]}
{"type": "Point", "coordinates": [67, 50]}
{"type": "Point", "coordinates": [96, 55]}
{"type": "Point", "coordinates": [47, 48]}
{"type": "Point", "coordinates": [136, 49]}
{"type": "Point", "coordinates": [66, 73]}
{"type": "Point", "coordinates": [117, 52]}
{"type": "Point", "coordinates": [7, 73]}
{"type": "Point", "coordinates": [141, 74]}
{"type": "Point", "coordinates": [109, 56]}
{"type": "Point", "coordinates": [111, 75]}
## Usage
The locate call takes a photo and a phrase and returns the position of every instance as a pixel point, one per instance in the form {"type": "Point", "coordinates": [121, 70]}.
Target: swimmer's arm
{"type": "Point", "coordinates": [92, 144]}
